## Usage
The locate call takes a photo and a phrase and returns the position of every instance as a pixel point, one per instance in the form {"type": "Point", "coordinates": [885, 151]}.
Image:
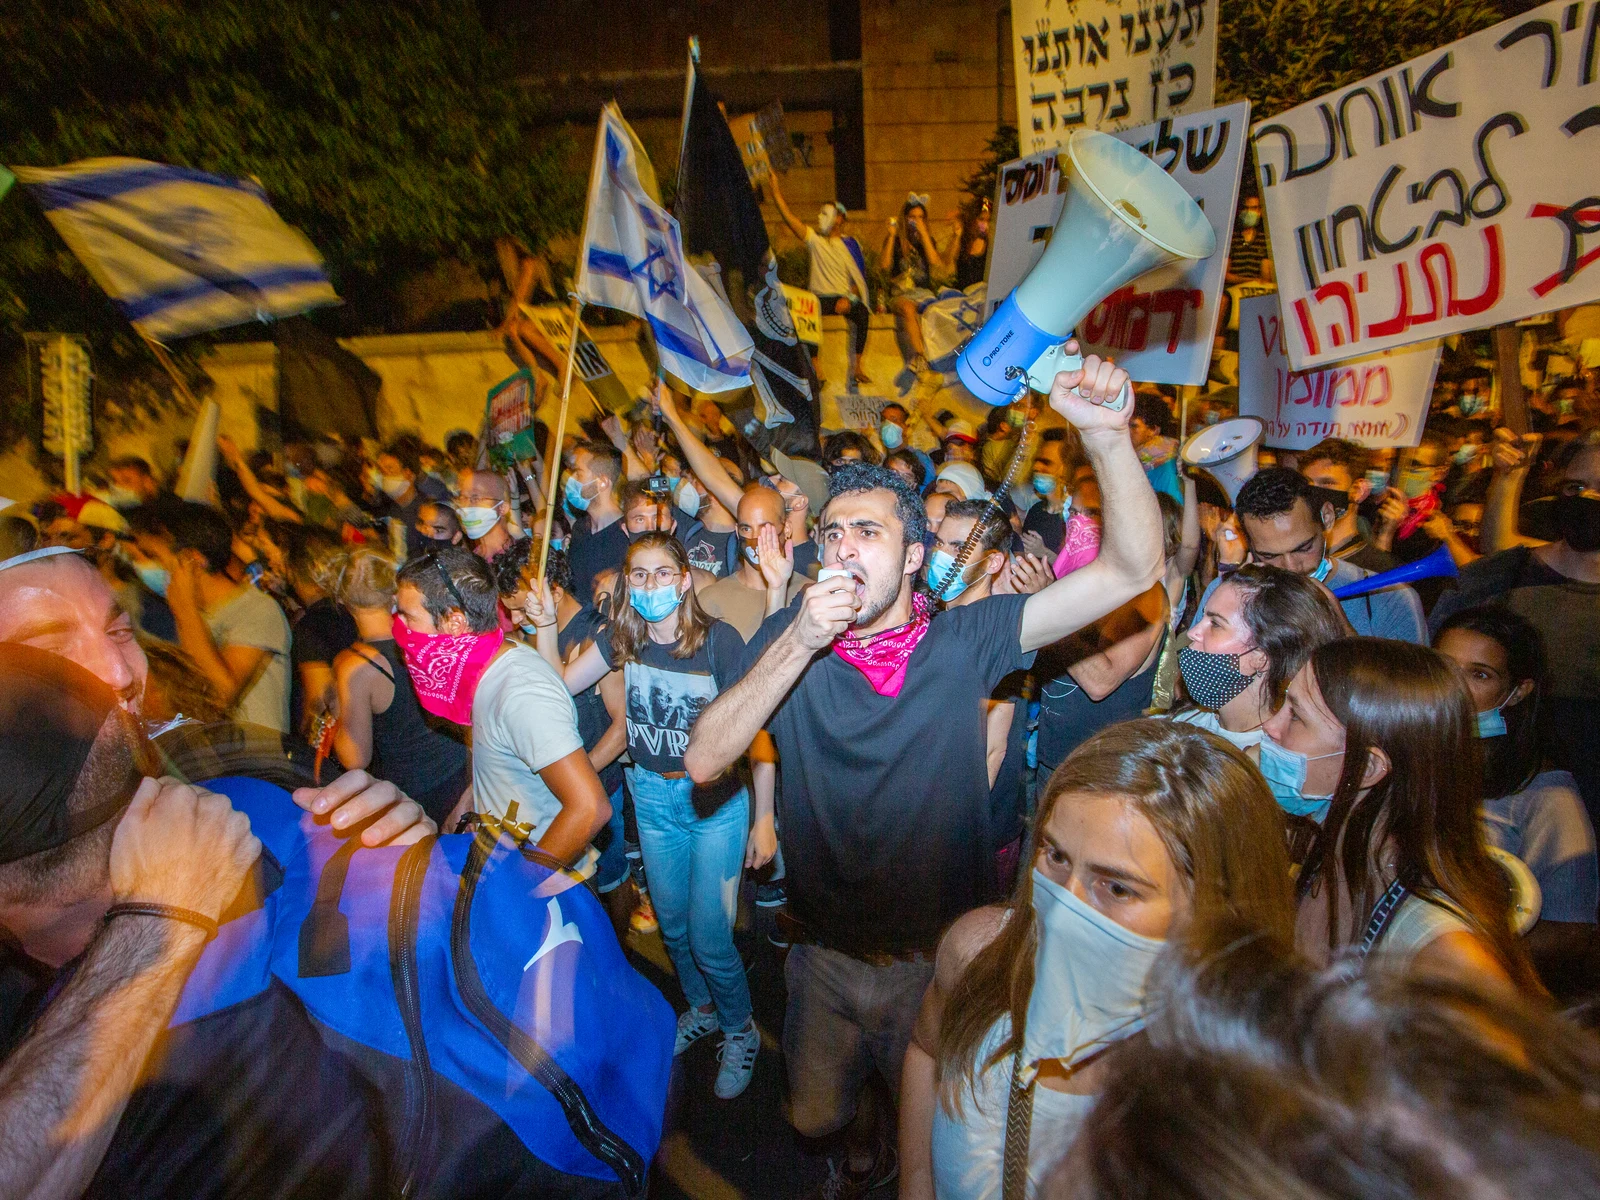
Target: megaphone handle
{"type": "Point", "coordinates": [1119, 402]}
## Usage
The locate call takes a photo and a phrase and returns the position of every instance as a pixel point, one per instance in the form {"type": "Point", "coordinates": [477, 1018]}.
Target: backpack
{"type": "Point", "coordinates": [467, 991]}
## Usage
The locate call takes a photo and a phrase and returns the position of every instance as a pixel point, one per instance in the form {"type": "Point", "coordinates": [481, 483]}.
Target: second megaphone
{"type": "Point", "coordinates": [1123, 216]}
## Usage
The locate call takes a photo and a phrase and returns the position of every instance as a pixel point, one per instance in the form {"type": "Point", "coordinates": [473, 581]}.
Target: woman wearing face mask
{"type": "Point", "coordinates": [675, 659]}
{"type": "Point", "coordinates": [1377, 736]}
{"type": "Point", "coordinates": [1148, 835]}
{"type": "Point", "coordinates": [1257, 629]}
{"type": "Point", "coordinates": [382, 728]}
{"type": "Point", "coordinates": [1528, 809]}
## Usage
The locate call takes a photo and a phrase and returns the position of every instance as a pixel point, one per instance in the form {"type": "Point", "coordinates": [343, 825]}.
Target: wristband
{"type": "Point", "coordinates": [170, 912]}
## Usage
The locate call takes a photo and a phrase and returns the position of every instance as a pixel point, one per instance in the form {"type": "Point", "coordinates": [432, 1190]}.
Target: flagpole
{"type": "Point", "coordinates": [556, 435]}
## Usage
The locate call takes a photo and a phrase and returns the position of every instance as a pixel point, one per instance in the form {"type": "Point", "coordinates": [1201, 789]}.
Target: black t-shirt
{"type": "Point", "coordinates": [1052, 527]}
{"type": "Point", "coordinates": [707, 549]}
{"type": "Point", "coordinates": [884, 808]}
{"type": "Point", "coordinates": [593, 717]}
{"type": "Point", "coordinates": [592, 553]}
{"type": "Point", "coordinates": [321, 633]}
{"type": "Point", "coordinates": [665, 697]}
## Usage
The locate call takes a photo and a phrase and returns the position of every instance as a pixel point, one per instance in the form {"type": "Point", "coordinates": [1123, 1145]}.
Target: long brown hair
{"type": "Point", "coordinates": [628, 629]}
{"type": "Point", "coordinates": [1412, 703]}
{"type": "Point", "coordinates": [1217, 820]}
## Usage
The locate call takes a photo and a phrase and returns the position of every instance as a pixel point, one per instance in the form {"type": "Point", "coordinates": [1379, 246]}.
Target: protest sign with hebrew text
{"type": "Point", "coordinates": [1161, 325]}
{"type": "Point", "coordinates": [1377, 400]}
{"type": "Point", "coordinates": [1451, 192]}
{"type": "Point", "coordinates": [1109, 64]}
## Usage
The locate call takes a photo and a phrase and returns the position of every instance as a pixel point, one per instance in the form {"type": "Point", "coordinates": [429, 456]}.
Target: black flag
{"type": "Point", "coordinates": [719, 216]}
{"type": "Point", "coordinates": [322, 387]}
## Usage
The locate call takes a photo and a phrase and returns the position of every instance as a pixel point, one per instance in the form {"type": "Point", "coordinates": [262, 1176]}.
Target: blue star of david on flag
{"type": "Point", "coordinates": [632, 259]}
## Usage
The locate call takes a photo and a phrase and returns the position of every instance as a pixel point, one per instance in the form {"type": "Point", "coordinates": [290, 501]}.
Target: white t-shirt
{"type": "Point", "coordinates": [833, 267]}
{"type": "Point", "coordinates": [253, 618]}
{"type": "Point", "coordinates": [1204, 718]}
{"type": "Point", "coordinates": [523, 720]}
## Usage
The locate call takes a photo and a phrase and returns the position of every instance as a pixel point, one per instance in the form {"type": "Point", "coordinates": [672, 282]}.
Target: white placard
{"type": "Point", "coordinates": [1452, 192]}
{"type": "Point", "coordinates": [1160, 326]}
{"type": "Point", "coordinates": [1377, 400]}
{"type": "Point", "coordinates": [1109, 64]}
{"type": "Point", "coordinates": [860, 411]}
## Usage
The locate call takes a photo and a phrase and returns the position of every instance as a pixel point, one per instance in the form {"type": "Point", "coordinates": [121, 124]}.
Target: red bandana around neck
{"type": "Point", "coordinates": [882, 658]}
{"type": "Point", "coordinates": [445, 668]}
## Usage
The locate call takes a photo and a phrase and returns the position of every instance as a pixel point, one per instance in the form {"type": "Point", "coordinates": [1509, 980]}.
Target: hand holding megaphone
{"type": "Point", "coordinates": [1093, 395]}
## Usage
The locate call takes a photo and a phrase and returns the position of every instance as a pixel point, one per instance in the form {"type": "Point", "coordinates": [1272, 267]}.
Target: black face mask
{"type": "Point", "coordinates": [1321, 495]}
{"type": "Point", "coordinates": [1212, 679]}
{"type": "Point", "coordinates": [1578, 519]}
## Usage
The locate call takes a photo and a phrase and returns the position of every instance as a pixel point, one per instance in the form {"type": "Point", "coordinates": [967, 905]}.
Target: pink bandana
{"type": "Point", "coordinates": [444, 669]}
{"type": "Point", "coordinates": [882, 658]}
{"type": "Point", "coordinates": [1081, 546]}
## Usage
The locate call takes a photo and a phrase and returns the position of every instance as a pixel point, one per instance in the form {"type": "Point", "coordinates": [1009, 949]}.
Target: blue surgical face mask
{"type": "Point", "coordinates": [157, 579]}
{"type": "Point", "coordinates": [1323, 568]}
{"type": "Point", "coordinates": [1465, 454]}
{"type": "Point", "coordinates": [573, 494]}
{"type": "Point", "coordinates": [939, 564]}
{"type": "Point", "coordinates": [1491, 723]}
{"type": "Point", "coordinates": [1044, 484]}
{"type": "Point", "coordinates": [1471, 404]}
{"type": "Point", "coordinates": [891, 435]}
{"type": "Point", "coordinates": [654, 604]}
{"type": "Point", "coordinates": [1285, 773]}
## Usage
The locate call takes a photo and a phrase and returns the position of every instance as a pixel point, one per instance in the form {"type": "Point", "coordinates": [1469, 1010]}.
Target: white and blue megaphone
{"type": "Point", "coordinates": [1123, 216]}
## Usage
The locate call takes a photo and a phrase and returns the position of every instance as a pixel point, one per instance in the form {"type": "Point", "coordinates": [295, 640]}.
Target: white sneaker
{"type": "Point", "coordinates": [738, 1057]}
{"type": "Point", "coordinates": [692, 1026]}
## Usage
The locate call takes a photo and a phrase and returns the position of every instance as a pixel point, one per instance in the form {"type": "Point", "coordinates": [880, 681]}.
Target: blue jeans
{"type": "Point", "coordinates": [694, 864]}
{"type": "Point", "coordinates": [612, 868]}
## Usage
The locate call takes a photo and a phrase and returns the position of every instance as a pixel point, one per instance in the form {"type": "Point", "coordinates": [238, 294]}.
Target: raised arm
{"type": "Point", "coordinates": [1189, 546]}
{"type": "Point", "coordinates": [725, 730]}
{"type": "Point", "coordinates": [64, 1088]}
{"type": "Point", "coordinates": [1119, 644]}
{"type": "Point", "coordinates": [698, 456]}
{"type": "Point", "coordinates": [795, 224]}
{"type": "Point", "coordinates": [1130, 557]}
{"type": "Point", "coordinates": [1501, 505]}
{"type": "Point", "coordinates": [270, 504]}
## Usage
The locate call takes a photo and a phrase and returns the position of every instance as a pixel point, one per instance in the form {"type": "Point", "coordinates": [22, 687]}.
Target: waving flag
{"type": "Point", "coordinates": [632, 259]}
{"type": "Point", "coordinates": [721, 217]}
{"type": "Point", "coordinates": [179, 251]}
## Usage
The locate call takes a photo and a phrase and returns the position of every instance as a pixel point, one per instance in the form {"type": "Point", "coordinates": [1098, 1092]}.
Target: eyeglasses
{"type": "Point", "coordinates": [664, 577]}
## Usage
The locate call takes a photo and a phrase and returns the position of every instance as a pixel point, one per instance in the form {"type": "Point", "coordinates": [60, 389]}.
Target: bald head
{"type": "Point", "coordinates": [62, 604]}
{"type": "Point", "coordinates": [482, 487]}
{"type": "Point", "coordinates": [760, 505]}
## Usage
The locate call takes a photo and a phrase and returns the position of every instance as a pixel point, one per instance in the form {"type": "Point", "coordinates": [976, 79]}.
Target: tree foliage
{"type": "Point", "coordinates": [392, 134]}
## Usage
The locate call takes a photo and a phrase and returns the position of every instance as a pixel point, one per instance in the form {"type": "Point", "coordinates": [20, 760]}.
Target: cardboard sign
{"type": "Point", "coordinates": [860, 412]}
{"type": "Point", "coordinates": [1162, 325]}
{"type": "Point", "coordinates": [764, 142]}
{"type": "Point", "coordinates": [805, 310]}
{"type": "Point", "coordinates": [588, 364]}
{"type": "Point", "coordinates": [1452, 192]}
{"type": "Point", "coordinates": [1109, 64]}
{"type": "Point", "coordinates": [1377, 400]}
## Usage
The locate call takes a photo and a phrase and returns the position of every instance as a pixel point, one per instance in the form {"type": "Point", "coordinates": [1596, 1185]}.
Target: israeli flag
{"type": "Point", "coordinates": [633, 260]}
{"type": "Point", "coordinates": [179, 251]}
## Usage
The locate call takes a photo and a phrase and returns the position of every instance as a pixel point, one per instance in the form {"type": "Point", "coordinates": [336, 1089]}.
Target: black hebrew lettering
{"type": "Point", "coordinates": [1303, 243]}
{"type": "Point", "coordinates": [1165, 143]}
{"type": "Point", "coordinates": [1049, 101]}
{"type": "Point", "coordinates": [1360, 93]}
{"type": "Point", "coordinates": [1420, 100]}
{"type": "Point", "coordinates": [1063, 48]}
{"type": "Point", "coordinates": [1070, 95]}
{"type": "Point", "coordinates": [1569, 20]}
{"type": "Point", "coordinates": [1572, 221]}
{"type": "Point", "coordinates": [1293, 169]}
{"type": "Point", "coordinates": [1121, 108]}
{"type": "Point", "coordinates": [1392, 103]}
{"type": "Point", "coordinates": [1032, 177]}
{"type": "Point", "coordinates": [1131, 45]}
{"type": "Point", "coordinates": [1590, 38]}
{"type": "Point", "coordinates": [1199, 159]}
{"type": "Point", "coordinates": [1194, 20]}
{"type": "Point", "coordinates": [1382, 244]}
{"type": "Point", "coordinates": [1027, 45]}
{"type": "Point", "coordinates": [1552, 44]}
{"type": "Point", "coordinates": [1587, 119]}
{"type": "Point", "coordinates": [1343, 216]}
{"type": "Point", "coordinates": [1103, 90]}
{"type": "Point", "coordinates": [1445, 216]}
{"type": "Point", "coordinates": [1164, 35]}
{"type": "Point", "coordinates": [1097, 41]}
{"type": "Point", "coordinates": [1490, 181]}
{"type": "Point", "coordinates": [1175, 73]}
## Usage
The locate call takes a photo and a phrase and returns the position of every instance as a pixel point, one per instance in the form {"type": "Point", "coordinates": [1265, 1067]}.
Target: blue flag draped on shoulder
{"type": "Point", "coordinates": [179, 251]}
{"type": "Point", "coordinates": [632, 259]}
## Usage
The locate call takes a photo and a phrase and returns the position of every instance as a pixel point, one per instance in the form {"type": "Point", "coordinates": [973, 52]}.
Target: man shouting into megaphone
{"type": "Point", "coordinates": [877, 706]}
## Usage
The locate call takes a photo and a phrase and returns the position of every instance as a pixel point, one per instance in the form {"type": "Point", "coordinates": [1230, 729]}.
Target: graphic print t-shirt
{"type": "Point", "coordinates": [666, 695]}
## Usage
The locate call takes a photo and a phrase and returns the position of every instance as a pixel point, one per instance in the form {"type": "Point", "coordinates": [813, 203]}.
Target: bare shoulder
{"type": "Point", "coordinates": [966, 939]}
{"type": "Point", "coordinates": [348, 662]}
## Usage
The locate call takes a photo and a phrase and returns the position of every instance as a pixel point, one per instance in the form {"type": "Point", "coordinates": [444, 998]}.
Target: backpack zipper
{"type": "Point", "coordinates": [404, 906]}
{"type": "Point", "coordinates": [585, 1123]}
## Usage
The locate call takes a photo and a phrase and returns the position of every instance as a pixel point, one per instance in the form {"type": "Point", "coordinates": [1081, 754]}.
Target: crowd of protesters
{"type": "Point", "coordinates": [1008, 753]}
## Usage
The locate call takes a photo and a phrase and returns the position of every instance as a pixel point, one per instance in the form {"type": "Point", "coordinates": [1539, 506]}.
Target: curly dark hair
{"type": "Point", "coordinates": [853, 478]}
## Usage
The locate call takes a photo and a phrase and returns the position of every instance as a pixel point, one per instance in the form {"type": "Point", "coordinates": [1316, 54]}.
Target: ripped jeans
{"type": "Point", "coordinates": [694, 865]}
